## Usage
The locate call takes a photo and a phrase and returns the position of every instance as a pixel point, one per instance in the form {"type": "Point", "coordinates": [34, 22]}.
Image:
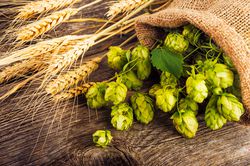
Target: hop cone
{"type": "Point", "coordinates": [192, 34]}
{"type": "Point", "coordinates": [220, 76]}
{"type": "Point", "coordinates": [131, 81]}
{"type": "Point", "coordinates": [188, 104]}
{"type": "Point", "coordinates": [166, 99]}
{"type": "Point", "coordinates": [143, 107]}
{"type": "Point", "coordinates": [168, 79]}
{"type": "Point", "coordinates": [102, 138]}
{"type": "Point", "coordinates": [141, 56]}
{"type": "Point", "coordinates": [95, 96]}
{"type": "Point", "coordinates": [176, 42]}
{"type": "Point", "coordinates": [122, 116]}
{"type": "Point", "coordinates": [214, 120]}
{"type": "Point", "coordinates": [154, 89]}
{"type": "Point", "coordinates": [229, 106]}
{"type": "Point", "coordinates": [196, 88]}
{"type": "Point", "coordinates": [116, 92]}
{"type": "Point", "coordinates": [185, 123]}
{"type": "Point", "coordinates": [116, 58]}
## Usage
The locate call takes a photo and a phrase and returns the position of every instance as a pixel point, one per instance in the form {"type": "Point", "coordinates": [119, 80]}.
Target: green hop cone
{"type": "Point", "coordinates": [166, 99]}
{"type": "Point", "coordinates": [122, 116]}
{"type": "Point", "coordinates": [168, 79]}
{"type": "Point", "coordinates": [230, 107]}
{"type": "Point", "coordinates": [220, 76]}
{"type": "Point", "coordinates": [131, 81]}
{"type": "Point", "coordinates": [192, 34]}
{"type": "Point", "coordinates": [185, 123]}
{"type": "Point", "coordinates": [102, 138]}
{"type": "Point", "coordinates": [116, 58]}
{"type": "Point", "coordinates": [176, 42]}
{"type": "Point", "coordinates": [143, 107]}
{"type": "Point", "coordinates": [116, 92]}
{"type": "Point", "coordinates": [214, 120]}
{"type": "Point", "coordinates": [154, 89]}
{"type": "Point", "coordinates": [196, 88]}
{"type": "Point", "coordinates": [141, 58]}
{"type": "Point", "coordinates": [188, 104]}
{"type": "Point", "coordinates": [95, 96]}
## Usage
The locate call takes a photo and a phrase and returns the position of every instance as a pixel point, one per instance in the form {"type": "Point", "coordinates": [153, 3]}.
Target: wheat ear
{"type": "Point", "coordinates": [62, 61]}
{"type": "Point", "coordinates": [73, 92]}
{"type": "Point", "coordinates": [35, 29]}
{"type": "Point", "coordinates": [124, 6]}
{"type": "Point", "coordinates": [44, 47]}
{"type": "Point", "coordinates": [20, 69]}
{"type": "Point", "coordinates": [31, 9]}
{"type": "Point", "coordinates": [72, 78]}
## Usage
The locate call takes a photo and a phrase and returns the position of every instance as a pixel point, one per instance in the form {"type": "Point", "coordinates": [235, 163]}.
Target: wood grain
{"type": "Point", "coordinates": [38, 132]}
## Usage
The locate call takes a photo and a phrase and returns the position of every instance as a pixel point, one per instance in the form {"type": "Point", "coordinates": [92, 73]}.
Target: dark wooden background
{"type": "Point", "coordinates": [35, 131]}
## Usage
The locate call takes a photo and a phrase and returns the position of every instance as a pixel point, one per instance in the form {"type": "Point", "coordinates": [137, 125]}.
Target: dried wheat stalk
{"type": "Point", "coordinates": [35, 29]}
{"type": "Point", "coordinates": [42, 6]}
{"type": "Point", "coordinates": [20, 69]}
{"type": "Point", "coordinates": [72, 78]}
{"type": "Point", "coordinates": [124, 6]}
{"type": "Point", "coordinates": [73, 92]}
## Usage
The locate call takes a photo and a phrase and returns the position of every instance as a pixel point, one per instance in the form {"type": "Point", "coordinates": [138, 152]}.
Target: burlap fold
{"type": "Point", "coordinates": [226, 21]}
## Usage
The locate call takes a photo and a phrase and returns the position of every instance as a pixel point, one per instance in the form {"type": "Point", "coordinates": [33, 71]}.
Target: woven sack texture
{"type": "Point", "coordinates": [227, 22]}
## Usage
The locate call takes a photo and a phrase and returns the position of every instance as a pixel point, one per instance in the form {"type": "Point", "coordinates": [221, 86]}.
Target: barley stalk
{"type": "Point", "coordinates": [73, 92]}
{"type": "Point", "coordinates": [35, 29]}
{"type": "Point", "coordinates": [124, 6]}
{"type": "Point", "coordinates": [71, 78]}
{"type": "Point", "coordinates": [20, 69]}
{"type": "Point", "coordinates": [43, 6]}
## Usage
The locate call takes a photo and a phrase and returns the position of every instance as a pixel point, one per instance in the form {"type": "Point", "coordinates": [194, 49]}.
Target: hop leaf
{"type": "Point", "coordinates": [116, 58]}
{"type": "Point", "coordinates": [122, 116]}
{"type": "Point", "coordinates": [196, 88]}
{"type": "Point", "coordinates": [115, 93]}
{"type": "Point", "coordinates": [218, 75]}
{"type": "Point", "coordinates": [185, 123]}
{"type": "Point", "coordinates": [188, 104]}
{"type": "Point", "coordinates": [228, 61]}
{"type": "Point", "coordinates": [166, 99]}
{"type": "Point", "coordinates": [214, 120]}
{"type": "Point", "coordinates": [141, 56]}
{"type": "Point", "coordinates": [102, 138]}
{"type": "Point", "coordinates": [176, 42]}
{"type": "Point", "coordinates": [95, 96]}
{"type": "Point", "coordinates": [143, 107]}
{"type": "Point", "coordinates": [166, 60]}
{"type": "Point", "coordinates": [168, 79]}
{"type": "Point", "coordinates": [131, 81]}
{"type": "Point", "coordinates": [229, 106]}
{"type": "Point", "coordinates": [154, 89]}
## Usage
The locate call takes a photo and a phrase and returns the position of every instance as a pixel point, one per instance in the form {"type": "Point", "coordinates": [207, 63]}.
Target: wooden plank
{"type": "Point", "coordinates": [49, 134]}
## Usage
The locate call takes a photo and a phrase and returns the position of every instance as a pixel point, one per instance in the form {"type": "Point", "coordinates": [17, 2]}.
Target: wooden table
{"type": "Point", "coordinates": [38, 132]}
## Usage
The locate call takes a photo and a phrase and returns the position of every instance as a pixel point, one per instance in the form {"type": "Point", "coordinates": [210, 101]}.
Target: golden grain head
{"type": "Point", "coordinates": [43, 6]}
{"type": "Point", "coordinates": [124, 6]}
{"type": "Point", "coordinates": [38, 28]}
{"type": "Point", "coordinates": [72, 78]}
{"type": "Point", "coordinates": [73, 92]}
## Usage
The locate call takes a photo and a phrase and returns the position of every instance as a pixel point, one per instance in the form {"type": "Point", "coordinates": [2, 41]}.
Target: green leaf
{"type": "Point", "coordinates": [166, 60]}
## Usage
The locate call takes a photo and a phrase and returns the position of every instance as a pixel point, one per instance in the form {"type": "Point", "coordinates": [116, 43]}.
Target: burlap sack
{"type": "Point", "coordinates": [226, 21]}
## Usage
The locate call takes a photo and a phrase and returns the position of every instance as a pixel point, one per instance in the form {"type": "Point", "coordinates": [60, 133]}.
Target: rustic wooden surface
{"type": "Point", "coordinates": [36, 132]}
